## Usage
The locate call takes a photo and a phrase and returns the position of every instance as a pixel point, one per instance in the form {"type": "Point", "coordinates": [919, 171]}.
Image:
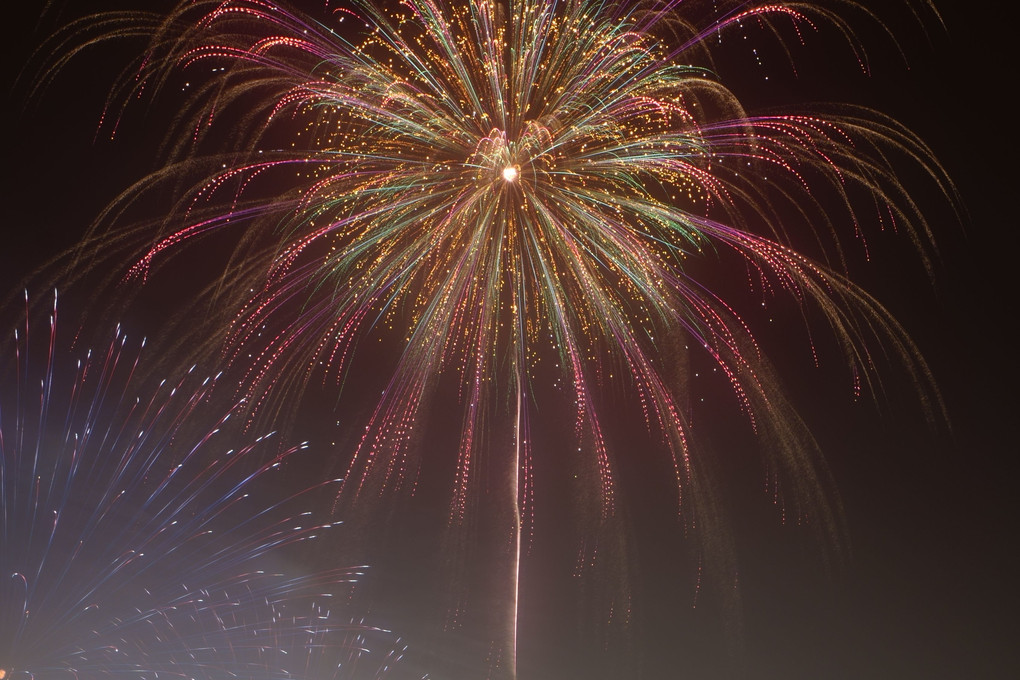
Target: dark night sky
{"type": "Point", "coordinates": [930, 587]}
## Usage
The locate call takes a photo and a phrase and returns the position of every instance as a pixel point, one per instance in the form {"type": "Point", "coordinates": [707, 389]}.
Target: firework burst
{"type": "Point", "coordinates": [134, 544]}
{"type": "Point", "coordinates": [504, 185]}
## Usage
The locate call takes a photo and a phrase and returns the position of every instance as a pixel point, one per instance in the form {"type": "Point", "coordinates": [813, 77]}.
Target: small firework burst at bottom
{"type": "Point", "coordinates": [140, 534]}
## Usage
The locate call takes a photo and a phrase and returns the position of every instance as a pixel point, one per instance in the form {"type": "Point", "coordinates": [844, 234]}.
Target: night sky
{"type": "Point", "coordinates": [928, 585]}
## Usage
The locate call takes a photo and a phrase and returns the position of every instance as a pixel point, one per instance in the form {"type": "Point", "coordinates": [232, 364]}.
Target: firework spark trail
{"type": "Point", "coordinates": [132, 542]}
{"type": "Point", "coordinates": [505, 186]}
